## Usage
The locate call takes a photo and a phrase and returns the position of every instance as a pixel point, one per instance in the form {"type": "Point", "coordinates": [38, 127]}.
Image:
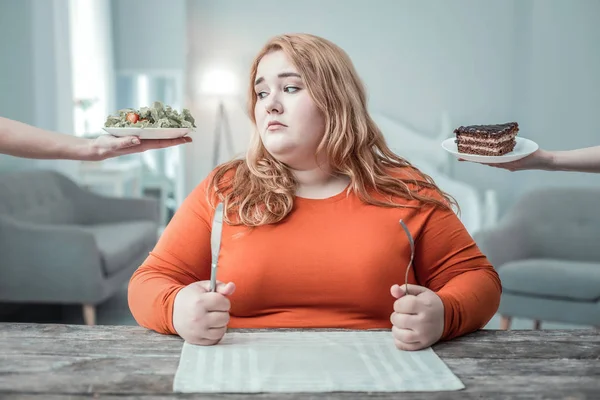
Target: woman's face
{"type": "Point", "coordinates": [288, 121]}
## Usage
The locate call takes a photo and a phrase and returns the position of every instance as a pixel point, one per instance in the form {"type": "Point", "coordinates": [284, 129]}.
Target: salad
{"type": "Point", "coordinates": [156, 116]}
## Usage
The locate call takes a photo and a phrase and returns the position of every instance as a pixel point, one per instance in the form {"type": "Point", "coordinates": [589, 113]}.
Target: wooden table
{"type": "Point", "coordinates": [39, 361]}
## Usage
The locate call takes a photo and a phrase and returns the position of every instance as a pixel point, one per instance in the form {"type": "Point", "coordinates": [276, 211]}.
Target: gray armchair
{"type": "Point", "coordinates": [547, 253]}
{"type": "Point", "coordinates": [62, 244]}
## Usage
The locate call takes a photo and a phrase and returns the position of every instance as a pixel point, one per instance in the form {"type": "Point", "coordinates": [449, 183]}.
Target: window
{"type": "Point", "coordinates": [92, 64]}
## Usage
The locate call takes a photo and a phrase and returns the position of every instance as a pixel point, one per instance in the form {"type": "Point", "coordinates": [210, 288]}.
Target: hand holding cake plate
{"type": "Point", "coordinates": [523, 148]}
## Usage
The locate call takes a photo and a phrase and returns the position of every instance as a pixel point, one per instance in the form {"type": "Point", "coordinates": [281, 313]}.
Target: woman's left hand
{"type": "Point", "coordinates": [418, 317]}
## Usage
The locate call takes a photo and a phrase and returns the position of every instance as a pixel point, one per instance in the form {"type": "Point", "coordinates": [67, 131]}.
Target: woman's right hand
{"type": "Point", "coordinates": [199, 316]}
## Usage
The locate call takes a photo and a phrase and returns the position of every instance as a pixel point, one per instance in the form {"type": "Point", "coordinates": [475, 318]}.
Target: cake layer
{"type": "Point", "coordinates": [487, 150]}
{"type": "Point", "coordinates": [491, 141]}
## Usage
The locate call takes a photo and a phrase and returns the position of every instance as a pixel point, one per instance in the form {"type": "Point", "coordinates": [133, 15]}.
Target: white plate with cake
{"type": "Point", "coordinates": [489, 144]}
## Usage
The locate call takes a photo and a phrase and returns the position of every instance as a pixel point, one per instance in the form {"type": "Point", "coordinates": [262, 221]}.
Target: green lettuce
{"type": "Point", "coordinates": [156, 116]}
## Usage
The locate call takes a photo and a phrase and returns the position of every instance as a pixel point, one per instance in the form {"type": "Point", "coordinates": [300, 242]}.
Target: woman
{"type": "Point", "coordinates": [312, 235]}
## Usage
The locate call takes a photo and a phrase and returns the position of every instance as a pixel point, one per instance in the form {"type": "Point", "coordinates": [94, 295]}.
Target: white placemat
{"type": "Point", "coordinates": [310, 362]}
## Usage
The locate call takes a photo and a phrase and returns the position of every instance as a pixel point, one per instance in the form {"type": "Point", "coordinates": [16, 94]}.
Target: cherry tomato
{"type": "Point", "coordinates": [133, 117]}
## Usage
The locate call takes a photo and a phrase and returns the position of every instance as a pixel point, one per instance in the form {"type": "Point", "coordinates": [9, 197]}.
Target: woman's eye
{"type": "Point", "coordinates": [261, 95]}
{"type": "Point", "coordinates": [291, 89]}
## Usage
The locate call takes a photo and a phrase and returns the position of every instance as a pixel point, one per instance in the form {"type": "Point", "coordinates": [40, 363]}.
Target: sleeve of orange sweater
{"type": "Point", "coordinates": [181, 256]}
{"type": "Point", "coordinates": [448, 261]}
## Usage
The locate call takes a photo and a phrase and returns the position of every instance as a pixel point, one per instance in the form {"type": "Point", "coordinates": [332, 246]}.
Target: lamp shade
{"type": "Point", "coordinates": [219, 82]}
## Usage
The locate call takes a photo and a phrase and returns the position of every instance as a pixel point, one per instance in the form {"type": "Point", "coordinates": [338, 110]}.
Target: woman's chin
{"type": "Point", "coordinates": [281, 151]}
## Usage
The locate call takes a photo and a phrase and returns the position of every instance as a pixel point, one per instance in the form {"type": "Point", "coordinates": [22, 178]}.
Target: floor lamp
{"type": "Point", "coordinates": [222, 129]}
{"type": "Point", "coordinates": [220, 84]}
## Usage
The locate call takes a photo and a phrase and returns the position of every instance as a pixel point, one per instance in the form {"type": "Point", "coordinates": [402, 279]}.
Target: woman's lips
{"type": "Point", "coordinates": [274, 126]}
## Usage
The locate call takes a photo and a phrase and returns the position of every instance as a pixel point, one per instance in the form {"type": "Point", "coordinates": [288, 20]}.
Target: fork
{"type": "Point", "coordinates": [412, 253]}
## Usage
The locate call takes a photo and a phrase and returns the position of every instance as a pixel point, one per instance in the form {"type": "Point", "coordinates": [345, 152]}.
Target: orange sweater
{"type": "Point", "coordinates": [331, 263]}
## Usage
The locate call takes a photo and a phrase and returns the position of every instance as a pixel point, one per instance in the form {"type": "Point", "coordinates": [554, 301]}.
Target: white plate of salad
{"type": "Point", "coordinates": [155, 122]}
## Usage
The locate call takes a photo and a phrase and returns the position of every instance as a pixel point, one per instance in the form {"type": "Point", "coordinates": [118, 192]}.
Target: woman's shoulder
{"type": "Point", "coordinates": [411, 176]}
{"type": "Point", "coordinates": [418, 182]}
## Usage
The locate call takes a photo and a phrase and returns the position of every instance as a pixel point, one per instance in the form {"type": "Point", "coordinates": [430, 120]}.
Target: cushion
{"type": "Point", "coordinates": [121, 242]}
{"type": "Point", "coordinates": [551, 278]}
{"type": "Point", "coordinates": [37, 197]}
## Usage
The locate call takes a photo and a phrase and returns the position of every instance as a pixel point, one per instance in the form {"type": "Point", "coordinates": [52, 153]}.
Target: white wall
{"type": "Point", "coordinates": [533, 61]}
{"type": "Point", "coordinates": [149, 34]}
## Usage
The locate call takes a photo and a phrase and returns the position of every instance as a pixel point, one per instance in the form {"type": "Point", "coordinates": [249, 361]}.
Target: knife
{"type": "Point", "coordinates": [412, 252]}
{"type": "Point", "coordinates": [215, 244]}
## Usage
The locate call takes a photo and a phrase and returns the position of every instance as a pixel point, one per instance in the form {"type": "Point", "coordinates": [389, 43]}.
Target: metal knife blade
{"type": "Point", "coordinates": [215, 244]}
{"type": "Point", "coordinates": [412, 253]}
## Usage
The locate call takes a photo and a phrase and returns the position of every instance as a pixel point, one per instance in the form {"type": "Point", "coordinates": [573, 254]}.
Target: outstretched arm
{"type": "Point", "coordinates": [22, 140]}
{"type": "Point", "coordinates": [580, 160]}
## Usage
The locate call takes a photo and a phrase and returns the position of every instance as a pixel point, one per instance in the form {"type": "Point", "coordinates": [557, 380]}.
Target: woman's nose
{"type": "Point", "coordinates": [273, 105]}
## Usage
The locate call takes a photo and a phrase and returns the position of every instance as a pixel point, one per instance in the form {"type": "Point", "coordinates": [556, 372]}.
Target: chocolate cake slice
{"type": "Point", "coordinates": [487, 140]}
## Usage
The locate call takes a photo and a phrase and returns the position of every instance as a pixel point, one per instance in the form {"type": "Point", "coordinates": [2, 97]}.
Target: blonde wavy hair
{"type": "Point", "coordinates": [260, 190]}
